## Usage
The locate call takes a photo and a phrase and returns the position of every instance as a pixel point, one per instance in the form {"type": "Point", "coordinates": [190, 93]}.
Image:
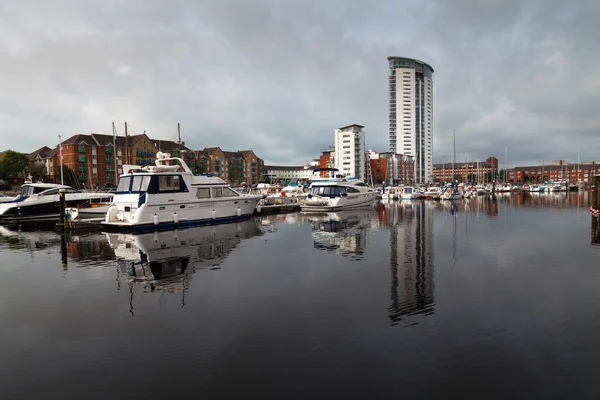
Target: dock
{"type": "Point", "coordinates": [275, 205]}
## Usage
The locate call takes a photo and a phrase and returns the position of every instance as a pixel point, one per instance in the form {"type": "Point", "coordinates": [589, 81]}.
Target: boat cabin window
{"type": "Point", "coordinates": [166, 184]}
{"type": "Point", "coordinates": [352, 190]}
{"type": "Point", "coordinates": [140, 183]}
{"type": "Point", "coordinates": [217, 192]}
{"type": "Point", "coordinates": [203, 193]}
{"type": "Point", "coordinates": [229, 192]}
{"type": "Point", "coordinates": [331, 191]}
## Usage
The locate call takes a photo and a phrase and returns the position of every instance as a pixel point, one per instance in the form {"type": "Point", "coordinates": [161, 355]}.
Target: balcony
{"type": "Point", "coordinates": [82, 177]}
{"type": "Point", "coordinates": [108, 150]}
{"type": "Point", "coordinates": [81, 158]}
{"type": "Point", "coordinates": [81, 149]}
{"type": "Point", "coordinates": [110, 160]}
{"type": "Point", "coordinates": [110, 168]}
{"type": "Point", "coordinates": [82, 167]}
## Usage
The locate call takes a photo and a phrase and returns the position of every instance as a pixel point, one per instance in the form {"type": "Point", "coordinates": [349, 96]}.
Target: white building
{"type": "Point", "coordinates": [289, 172]}
{"type": "Point", "coordinates": [350, 151]}
{"type": "Point", "coordinates": [411, 113]}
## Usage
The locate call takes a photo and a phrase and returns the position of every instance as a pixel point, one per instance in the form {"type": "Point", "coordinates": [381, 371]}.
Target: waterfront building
{"type": "Point", "coordinates": [41, 156]}
{"type": "Point", "coordinates": [327, 160]}
{"type": "Point", "coordinates": [410, 85]}
{"type": "Point", "coordinates": [391, 168]}
{"type": "Point", "coordinates": [350, 151]}
{"type": "Point", "coordinates": [290, 173]}
{"type": "Point", "coordinates": [235, 167]}
{"type": "Point", "coordinates": [95, 160]}
{"type": "Point", "coordinates": [473, 172]}
{"type": "Point", "coordinates": [560, 170]}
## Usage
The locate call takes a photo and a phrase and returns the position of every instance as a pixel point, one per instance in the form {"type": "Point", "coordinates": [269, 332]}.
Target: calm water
{"type": "Point", "coordinates": [483, 299]}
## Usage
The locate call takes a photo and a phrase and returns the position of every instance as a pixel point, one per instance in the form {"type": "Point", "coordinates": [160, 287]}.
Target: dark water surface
{"type": "Point", "coordinates": [481, 299]}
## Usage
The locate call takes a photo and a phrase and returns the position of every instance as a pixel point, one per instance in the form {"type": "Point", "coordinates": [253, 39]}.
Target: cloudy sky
{"type": "Point", "coordinates": [278, 76]}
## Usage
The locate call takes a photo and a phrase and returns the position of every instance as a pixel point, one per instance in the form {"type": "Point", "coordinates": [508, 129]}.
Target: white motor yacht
{"type": "Point", "coordinates": [336, 193]}
{"type": "Point", "coordinates": [165, 196]}
{"type": "Point", "coordinates": [41, 202]}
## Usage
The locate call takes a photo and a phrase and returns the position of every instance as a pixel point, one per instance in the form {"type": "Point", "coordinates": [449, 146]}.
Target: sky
{"type": "Point", "coordinates": [519, 79]}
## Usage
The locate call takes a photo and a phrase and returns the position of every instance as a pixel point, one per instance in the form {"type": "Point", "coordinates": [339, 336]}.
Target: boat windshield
{"type": "Point", "coordinates": [124, 184]}
{"type": "Point", "coordinates": [408, 190]}
{"type": "Point", "coordinates": [27, 191]}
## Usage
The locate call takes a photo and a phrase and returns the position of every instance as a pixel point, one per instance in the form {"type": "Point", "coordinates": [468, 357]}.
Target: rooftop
{"type": "Point", "coordinates": [411, 59]}
{"type": "Point", "coordinates": [353, 125]}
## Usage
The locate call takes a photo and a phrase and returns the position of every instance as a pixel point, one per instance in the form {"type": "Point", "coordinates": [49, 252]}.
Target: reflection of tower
{"type": "Point", "coordinates": [411, 264]}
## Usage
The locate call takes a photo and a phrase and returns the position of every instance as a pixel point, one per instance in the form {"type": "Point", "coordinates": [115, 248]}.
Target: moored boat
{"type": "Point", "coordinates": [166, 196]}
{"type": "Point", "coordinates": [41, 202]}
{"type": "Point", "coordinates": [336, 193]}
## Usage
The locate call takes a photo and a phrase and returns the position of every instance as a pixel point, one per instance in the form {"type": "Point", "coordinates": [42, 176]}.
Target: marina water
{"type": "Point", "coordinates": [485, 298]}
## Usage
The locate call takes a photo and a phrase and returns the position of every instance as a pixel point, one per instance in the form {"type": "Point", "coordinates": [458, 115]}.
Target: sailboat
{"type": "Point", "coordinates": [451, 192]}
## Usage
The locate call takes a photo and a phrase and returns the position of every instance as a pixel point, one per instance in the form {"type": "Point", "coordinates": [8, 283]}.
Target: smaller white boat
{"type": "Point", "coordinates": [433, 193]}
{"type": "Point", "coordinates": [451, 193]}
{"type": "Point", "coordinates": [391, 193]}
{"type": "Point", "coordinates": [409, 193]}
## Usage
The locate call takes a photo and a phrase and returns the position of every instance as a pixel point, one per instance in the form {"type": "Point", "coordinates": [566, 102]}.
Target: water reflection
{"type": "Point", "coordinates": [345, 232]}
{"type": "Point", "coordinates": [164, 261]}
{"type": "Point", "coordinates": [86, 249]}
{"type": "Point", "coordinates": [411, 260]}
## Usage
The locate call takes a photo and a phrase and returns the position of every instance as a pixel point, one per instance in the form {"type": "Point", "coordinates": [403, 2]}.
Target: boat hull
{"type": "Point", "coordinates": [37, 210]}
{"type": "Point", "coordinates": [158, 216]}
{"type": "Point", "coordinates": [340, 203]}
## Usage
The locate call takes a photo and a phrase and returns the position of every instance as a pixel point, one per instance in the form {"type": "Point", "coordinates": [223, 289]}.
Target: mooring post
{"type": "Point", "coordinates": [61, 196]}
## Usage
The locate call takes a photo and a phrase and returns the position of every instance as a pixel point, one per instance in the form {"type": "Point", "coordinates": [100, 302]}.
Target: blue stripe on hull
{"type": "Point", "coordinates": [172, 225]}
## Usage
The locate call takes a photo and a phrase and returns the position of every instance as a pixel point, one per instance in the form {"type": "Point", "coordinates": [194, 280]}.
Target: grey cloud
{"type": "Point", "coordinates": [278, 77]}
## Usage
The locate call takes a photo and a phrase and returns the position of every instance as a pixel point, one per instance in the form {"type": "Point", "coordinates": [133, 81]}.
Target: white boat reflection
{"type": "Point", "coordinates": [345, 232]}
{"type": "Point", "coordinates": [162, 260]}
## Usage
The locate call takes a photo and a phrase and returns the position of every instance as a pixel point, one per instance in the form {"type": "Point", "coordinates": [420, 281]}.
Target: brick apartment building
{"type": "Point", "coordinates": [96, 161]}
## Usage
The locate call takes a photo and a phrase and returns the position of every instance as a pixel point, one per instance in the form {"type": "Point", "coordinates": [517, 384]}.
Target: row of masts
{"type": "Point", "coordinates": [126, 156]}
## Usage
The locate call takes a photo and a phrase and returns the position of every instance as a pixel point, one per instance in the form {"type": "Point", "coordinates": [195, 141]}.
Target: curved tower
{"type": "Point", "coordinates": [411, 113]}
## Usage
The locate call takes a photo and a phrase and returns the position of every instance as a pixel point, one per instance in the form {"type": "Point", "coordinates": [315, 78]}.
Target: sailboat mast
{"type": "Point", "coordinates": [115, 152]}
{"type": "Point", "coordinates": [505, 164]}
{"type": "Point", "coordinates": [179, 136]}
{"type": "Point", "coordinates": [453, 152]}
{"type": "Point", "coordinates": [126, 145]}
{"type": "Point", "coordinates": [61, 159]}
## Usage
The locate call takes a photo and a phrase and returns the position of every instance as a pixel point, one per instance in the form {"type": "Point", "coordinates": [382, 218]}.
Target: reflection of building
{"type": "Point", "coordinates": [345, 233]}
{"type": "Point", "coordinates": [411, 252]}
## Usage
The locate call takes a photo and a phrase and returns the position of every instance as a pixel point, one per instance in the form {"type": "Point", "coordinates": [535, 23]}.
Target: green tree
{"type": "Point", "coordinates": [38, 172]}
{"type": "Point", "coordinates": [13, 164]}
{"type": "Point", "coordinates": [69, 177]}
